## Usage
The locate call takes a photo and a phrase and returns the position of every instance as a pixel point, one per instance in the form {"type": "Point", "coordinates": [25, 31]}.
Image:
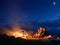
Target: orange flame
{"type": "Point", "coordinates": [16, 32]}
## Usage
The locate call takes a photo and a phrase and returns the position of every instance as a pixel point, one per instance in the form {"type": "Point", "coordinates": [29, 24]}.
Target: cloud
{"type": "Point", "coordinates": [54, 30]}
{"type": "Point", "coordinates": [53, 26]}
{"type": "Point", "coordinates": [51, 23]}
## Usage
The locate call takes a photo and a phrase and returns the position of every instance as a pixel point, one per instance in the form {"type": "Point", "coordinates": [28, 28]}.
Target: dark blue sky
{"type": "Point", "coordinates": [31, 14]}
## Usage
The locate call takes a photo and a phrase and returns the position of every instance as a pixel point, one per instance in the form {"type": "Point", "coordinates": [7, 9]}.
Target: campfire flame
{"type": "Point", "coordinates": [19, 33]}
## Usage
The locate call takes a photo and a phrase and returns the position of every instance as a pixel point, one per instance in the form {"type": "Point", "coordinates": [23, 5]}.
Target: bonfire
{"type": "Point", "coordinates": [20, 33]}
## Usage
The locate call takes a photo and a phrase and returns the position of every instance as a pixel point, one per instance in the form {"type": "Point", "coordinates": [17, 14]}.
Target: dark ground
{"type": "Point", "coordinates": [6, 40]}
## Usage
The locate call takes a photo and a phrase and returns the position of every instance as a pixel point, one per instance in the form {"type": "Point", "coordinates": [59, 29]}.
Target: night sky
{"type": "Point", "coordinates": [31, 14]}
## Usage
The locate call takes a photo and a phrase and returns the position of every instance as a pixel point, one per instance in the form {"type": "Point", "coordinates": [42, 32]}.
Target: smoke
{"type": "Point", "coordinates": [16, 16]}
